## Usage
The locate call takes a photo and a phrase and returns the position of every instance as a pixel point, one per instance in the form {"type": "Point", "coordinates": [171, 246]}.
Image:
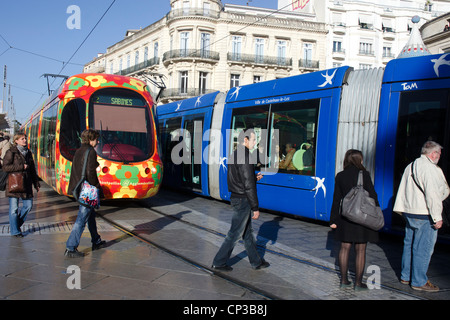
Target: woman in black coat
{"type": "Point", "coordinates": [346, 231]}
{"type": "Point", "coordinates": [19, 159]}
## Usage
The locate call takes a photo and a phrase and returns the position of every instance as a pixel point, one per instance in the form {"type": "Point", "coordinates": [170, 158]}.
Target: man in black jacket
{"type": "Point", "coordinates": [244, 200]}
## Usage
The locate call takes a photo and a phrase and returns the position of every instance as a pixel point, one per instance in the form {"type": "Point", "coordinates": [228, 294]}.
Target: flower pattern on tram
{"type": "Point", "coordinates": [96, 81]}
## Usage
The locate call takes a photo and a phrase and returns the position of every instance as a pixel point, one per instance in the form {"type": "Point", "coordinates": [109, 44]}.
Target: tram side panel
{"type": "Point", "coordinates": [306, 125]}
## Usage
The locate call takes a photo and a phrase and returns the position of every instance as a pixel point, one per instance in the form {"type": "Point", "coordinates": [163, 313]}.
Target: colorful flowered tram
{"type": "Point", "coordinates": [121, 109]}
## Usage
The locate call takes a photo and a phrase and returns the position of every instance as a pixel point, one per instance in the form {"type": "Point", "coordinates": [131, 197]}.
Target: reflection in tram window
{"type": "Point", "coordinates": [292, 131]}
{"type": "Point", "coordinates": [124, 125]}
{"type": "Point", "coordinates": [70, 132]}
{"type": "Point", "coordinates": [296, 124]}
{"type": "Point", "coordinates": [422, 117]}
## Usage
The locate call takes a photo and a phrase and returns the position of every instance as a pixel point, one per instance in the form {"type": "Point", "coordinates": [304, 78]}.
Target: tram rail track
{"type": "Point", "coordinates": [226, 276]}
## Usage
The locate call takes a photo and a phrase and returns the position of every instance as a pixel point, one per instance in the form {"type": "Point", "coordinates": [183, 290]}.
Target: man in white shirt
{"type": "Point", "coordinates": [419, 198]}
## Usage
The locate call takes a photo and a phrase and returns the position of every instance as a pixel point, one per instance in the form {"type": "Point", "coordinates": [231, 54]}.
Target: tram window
{"type": "Point", "coordinates": [48, 129]}
{"type": "Point", "coordinates": [255, 118]}
{"type": "Point", "coordinates": [422, 116]}
{"type": "Point", "coordinates": [123, 119]}
{"type": "Point", "coordinates": [34, 134]}
{"type": "Point", "coordinates": [170, 136]}
{"type": "Point", "coordinates": [296, 125]}
{"type": "Point", "coordinates": [71, 126]}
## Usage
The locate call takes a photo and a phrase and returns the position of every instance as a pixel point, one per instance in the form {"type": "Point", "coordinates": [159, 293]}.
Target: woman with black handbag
{"type": "Point", "coordinates": [348, 232]}
{"type": "Point", "coordinates": [89, 140]}
{"type": "Point", "coordinates": [19, 164]}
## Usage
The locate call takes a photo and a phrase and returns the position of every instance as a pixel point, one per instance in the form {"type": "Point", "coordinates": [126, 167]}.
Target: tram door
{"type": "Point", "coordinates": [192, 164]}
{"type": "Point", "coordinates": [423, 115]}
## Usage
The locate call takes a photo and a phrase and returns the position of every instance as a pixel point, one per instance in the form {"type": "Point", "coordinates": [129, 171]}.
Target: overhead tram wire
{"type": "Point", "coordinates": [33, 53]}
{"type": "Point", "coordinates": [79, 47]}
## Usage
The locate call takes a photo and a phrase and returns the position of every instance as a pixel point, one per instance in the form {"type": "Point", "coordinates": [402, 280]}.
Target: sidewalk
{"type": "Point", "coordinates": [302, 256]}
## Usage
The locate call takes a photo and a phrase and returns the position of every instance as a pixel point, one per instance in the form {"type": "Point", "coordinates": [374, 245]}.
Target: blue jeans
{"type": "Point", "coordinates": [16, 218]}
{"type": "Point", "coordinates": [241, 226]}
{"type": "Point", "coordinates": [85, 215]}
{"type": "Point", "coordinates": [418, 247]}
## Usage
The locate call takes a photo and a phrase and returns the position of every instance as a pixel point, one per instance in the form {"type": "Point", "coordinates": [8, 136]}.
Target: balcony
{"type": "Point", "coordinates": [339, 28]}
{"type": "Point", "coordinates": [367, 52]}
{"type": "Point", "coordinates": [262, 60]}
{"type": "Point", "coordinates": [178, 93]}
{"type": "Point", "coordinates": [308, 64]}
{"type": "Point", "coordinates": [339, 54]}
{"type": "Point", "coordinates": [139, 67]}
{"type": "Point", "coordinates": [190, 54]}
{"type": "Point", "coordinates": [192, 12]}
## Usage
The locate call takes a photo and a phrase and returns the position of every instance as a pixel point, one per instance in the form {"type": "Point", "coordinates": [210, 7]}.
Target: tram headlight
{"type": "Point", "coordinates": [147, 170]}
{"type": "Point", "coordinates": [105, 170]}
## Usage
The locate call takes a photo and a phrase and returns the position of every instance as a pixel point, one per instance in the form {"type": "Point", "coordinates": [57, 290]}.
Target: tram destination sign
{"type": "Point", "coordinates": [119, 100]}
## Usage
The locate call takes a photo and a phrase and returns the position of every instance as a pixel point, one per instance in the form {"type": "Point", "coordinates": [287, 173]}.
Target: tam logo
{"type": "Point", "coordinates": [299, 4]}
{"type": "Point", "coordinates": [411, 86]}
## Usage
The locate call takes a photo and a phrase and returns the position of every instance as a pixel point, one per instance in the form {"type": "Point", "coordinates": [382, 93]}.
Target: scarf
{"type": "Point", "coordinates": [23, 150]}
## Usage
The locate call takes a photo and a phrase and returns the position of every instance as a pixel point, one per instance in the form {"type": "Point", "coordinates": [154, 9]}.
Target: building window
{"type": "Point", "coordinates": [202, 85]}
{"type": "Point", "coordinates": [145, 53]}
{"type": "Point", "coordinates": [184, 44]}
{"type": "Point", "coordinates": [136, 58]}
{"type": "Point", "coordinates": [205, 42]}
{"type": "Point", "coordinates": [236, 47]}
{"type": "Point", "coordinates": [307, 53]}
{"type": "Point", "coordinates": [337, 46]}
{"type": "Point", "coordinates": [235, 80]}
{"type": "Point", "coordinates": [365, 66]}
{"type": "Point", "coordinates": [186, 7]}
{"type": "Point", "coordinates": [206, 9]}
{"type": "Point", "coordinates": [183, 82]}
{"type": "Point", "coordinates": [155, 50]}
{"type": "Point", "coordinates": [281, 52]}
{"type": "Point", "coordinates": [387, 52]}
{"type": "Point", "coordinates": [366, 48]}
{"type": "Point", "coordinates": [256, 79]}
{"type": "Point", "coordinates": [259, 50]}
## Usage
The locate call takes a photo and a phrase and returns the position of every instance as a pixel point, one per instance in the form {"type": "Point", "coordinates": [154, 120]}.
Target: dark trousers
{"type": "Point", "coordinates": [241, 226]}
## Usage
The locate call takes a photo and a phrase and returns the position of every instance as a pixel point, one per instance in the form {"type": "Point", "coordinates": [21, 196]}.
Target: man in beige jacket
{"type": "Point", "coordinates": [419, 198]}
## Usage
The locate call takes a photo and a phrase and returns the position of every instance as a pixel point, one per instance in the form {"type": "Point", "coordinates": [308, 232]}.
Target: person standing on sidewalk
{"type": "Point", "coordinates": [18, 158]}
{"type": "Point", "coordinates": [419, 198]}
{"type": "Point", "coordinates": [244, 201]}
{"type": "Point", "coordinates": [89, 140]}
{"type": "Point", "coordinates": [348, 232]}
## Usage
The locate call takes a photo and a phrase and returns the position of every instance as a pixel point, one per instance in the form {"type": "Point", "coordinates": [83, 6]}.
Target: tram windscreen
{"type": "Point", "coordinates": [123, 120]}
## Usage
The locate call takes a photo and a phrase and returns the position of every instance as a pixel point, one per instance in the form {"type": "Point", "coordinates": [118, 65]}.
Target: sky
{"type": "Point", "coordinates": [50, 37]}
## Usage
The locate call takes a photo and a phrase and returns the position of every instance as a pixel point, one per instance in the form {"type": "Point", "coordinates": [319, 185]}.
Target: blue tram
{"type": "Point", "coordinates": [310, 121]}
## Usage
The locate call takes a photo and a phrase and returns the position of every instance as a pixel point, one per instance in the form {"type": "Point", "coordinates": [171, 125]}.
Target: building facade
{"type": "Point", "coordinates": [365, 33]}
{"type": "Point", "coordinates": [202, 46]}
{"type": "Point", "coordinates": [436, 34]}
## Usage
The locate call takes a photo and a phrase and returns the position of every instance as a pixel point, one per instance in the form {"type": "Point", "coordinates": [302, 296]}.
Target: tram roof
{"type": "Point", "coordinates": [203, 101]}
{"type": "Point", "coordinates": [307, 82]}
{"type": "Point", "coordinates": [418, 68]}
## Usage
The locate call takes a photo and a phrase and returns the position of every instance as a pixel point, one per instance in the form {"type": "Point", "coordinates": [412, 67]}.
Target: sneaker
{"type": "Point", "coordinates": [429, 287]}
{"type": "Point", "coordinates": [73, 254]}
{"type": "Point", "coordinates": [98, 245]}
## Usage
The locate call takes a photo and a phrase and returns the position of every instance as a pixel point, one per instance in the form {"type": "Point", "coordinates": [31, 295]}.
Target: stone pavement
{"type": "Point", "coordinates": [302, 256]}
